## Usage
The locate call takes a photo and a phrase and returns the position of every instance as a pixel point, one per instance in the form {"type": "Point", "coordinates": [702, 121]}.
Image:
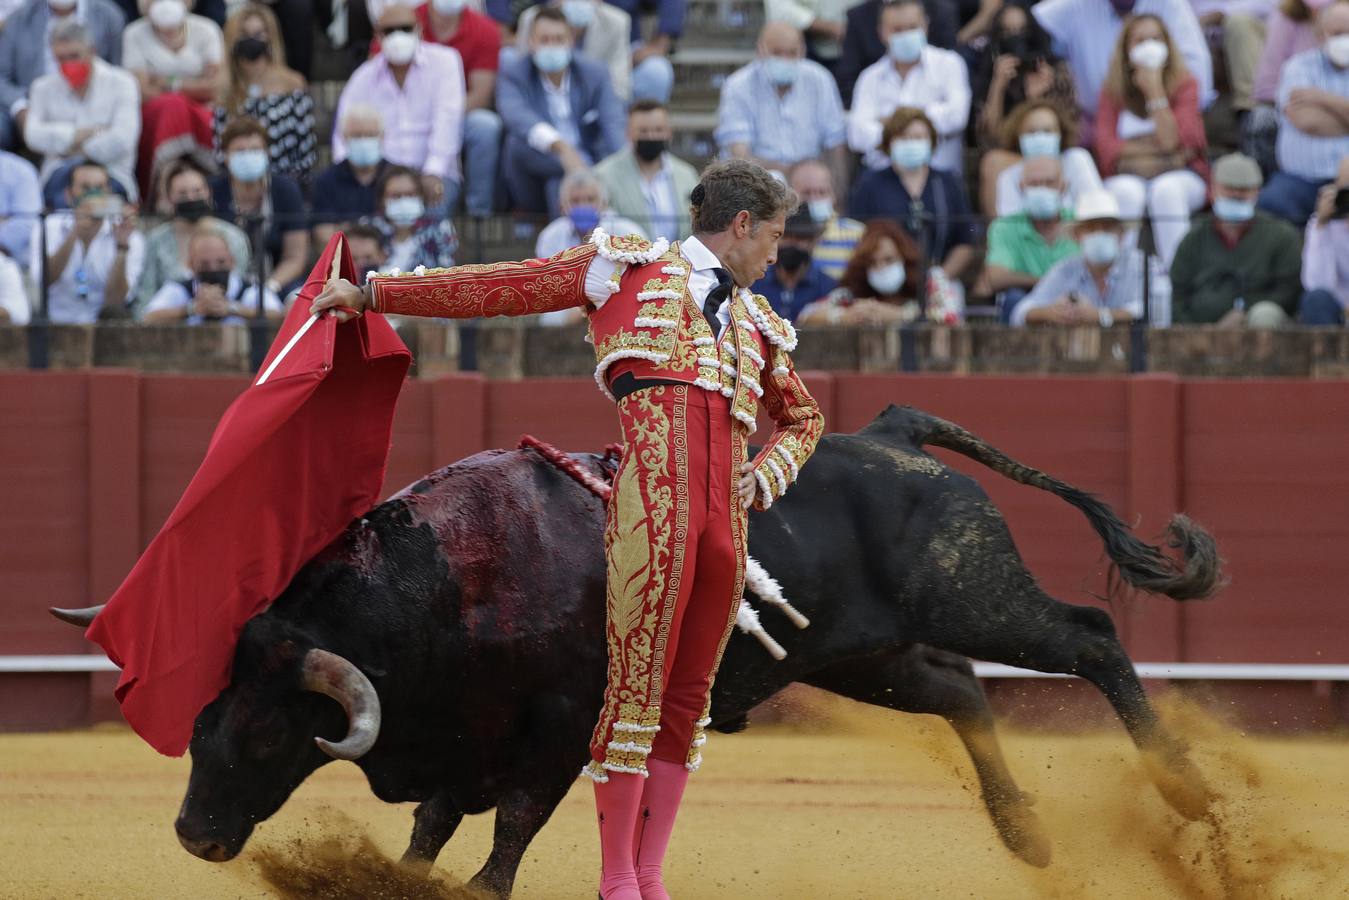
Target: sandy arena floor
{"type": "Point", "coordinates": [879, 806]}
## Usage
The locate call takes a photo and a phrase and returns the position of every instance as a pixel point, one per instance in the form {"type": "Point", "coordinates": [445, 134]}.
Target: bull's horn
{"type": "Point", "coordinates": [329, 674]}
{"type": "Point", "coordinates": [81, 617]}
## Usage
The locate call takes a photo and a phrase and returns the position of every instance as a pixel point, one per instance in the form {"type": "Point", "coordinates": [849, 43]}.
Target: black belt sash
{"type": "Point", "coordinates": [626, 383]}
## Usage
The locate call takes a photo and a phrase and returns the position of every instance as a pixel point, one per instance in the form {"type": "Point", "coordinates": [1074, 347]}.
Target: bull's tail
{"type": "Point", "coordinates": [1196, 576]}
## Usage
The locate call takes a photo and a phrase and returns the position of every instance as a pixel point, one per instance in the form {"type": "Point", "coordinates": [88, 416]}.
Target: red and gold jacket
{"type": "Point", "coordinates": [643, 320]}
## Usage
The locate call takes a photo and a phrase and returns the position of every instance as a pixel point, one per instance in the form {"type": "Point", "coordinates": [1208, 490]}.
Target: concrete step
{"type": "Point", "coordinates": [693, 135]}
{"type": "Point", "coordinates": [701, 72]}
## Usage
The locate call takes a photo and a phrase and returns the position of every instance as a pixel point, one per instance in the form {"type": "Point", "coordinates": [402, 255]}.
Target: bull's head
{"type": "Point", "coordinates": [256, 742]}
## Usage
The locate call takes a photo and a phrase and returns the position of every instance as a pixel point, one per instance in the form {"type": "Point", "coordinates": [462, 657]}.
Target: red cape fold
{"type": "Point", "coordinates": [292, 462]}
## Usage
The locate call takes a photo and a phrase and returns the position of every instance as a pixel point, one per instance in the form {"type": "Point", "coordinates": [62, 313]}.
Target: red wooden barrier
{"type": "Point", "coordinates": [92, 462]}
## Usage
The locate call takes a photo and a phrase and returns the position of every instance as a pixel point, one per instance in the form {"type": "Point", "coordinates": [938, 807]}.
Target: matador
{"type": "Point", "coordinates": [688, 354]}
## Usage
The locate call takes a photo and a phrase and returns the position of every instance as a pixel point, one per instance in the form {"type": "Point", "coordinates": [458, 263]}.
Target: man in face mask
{"type": "Point", "coordinates": [1101, 285]}
{"type": "Point", "coordinates": [412, 83]}
{"type": "Point", "coordinates": [87, 109]}
{"type": "Point", "coordinates": [1313, 120]}
{"type": "Point", "coordinates": [585, 207]}
{"type": "Point", "coordinates": [1024, 246]}
{"type": "Point", "coordinates": [795, 281]}
{"type": "Point", "coordinates": [782, 108]}
{"type": "Point", "coordinates": [560, 111]}
{"type": "Point", "coordinates": [1238, 266]}
{"type": "Point", "coordinates": [26, 54]}
{"type": "Point", "coordinates": [476, 37]}
{"type": "Point", "coordinates": [213, 292]}
{"type": "Point", "coordinates": [599, 30]}
{"type": "Point", "coordinates": [911, 74]}
{"type": "Point", "coordinates": [187, 201]}
{"type": "Point", "coordinates": [814, 184]}
{"type": "Point", "coordinates": [345, 191]}
{"type": "Point", "coordinates": [645, 181]}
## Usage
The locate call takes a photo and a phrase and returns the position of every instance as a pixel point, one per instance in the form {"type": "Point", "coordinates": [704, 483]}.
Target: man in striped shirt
{"type": "Point", "coordinates": [1313, 120]}
{"type": "Point", "coordinates": [810, 179]}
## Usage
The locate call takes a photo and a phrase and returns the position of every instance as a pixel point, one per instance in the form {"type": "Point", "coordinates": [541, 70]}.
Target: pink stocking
{"type": "Point", "coordinates": [617, 801]}
{"type": "Point", "coordinates": [655, 823]}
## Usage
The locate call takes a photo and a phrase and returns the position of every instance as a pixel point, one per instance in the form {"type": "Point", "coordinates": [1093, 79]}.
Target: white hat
{"type": "Point", "coordinates": [1096, 205]}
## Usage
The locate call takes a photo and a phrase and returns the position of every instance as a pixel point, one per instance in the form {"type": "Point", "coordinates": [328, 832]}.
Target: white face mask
{"type": "Point", "coordinates": [400, 47]}
{"type": "Point", "coordinates": [1100, 247]}
{"type": "Point", "coordinates": [167, 14]}
{"type": "Point", "coordinates": [886, 280]}
{"type": "Point", "coordinates": [1149, 54]}
{"type": "Point", "coordinates": [404, 211]}
{"type": "Point", "coordinates": [448, 7]}
{"type": "Point", "coordinates": [1337, 48]}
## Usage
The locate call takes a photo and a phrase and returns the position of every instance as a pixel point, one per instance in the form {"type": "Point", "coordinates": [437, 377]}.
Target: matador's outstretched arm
{"type": "Point", "coordinates": [574, 277]}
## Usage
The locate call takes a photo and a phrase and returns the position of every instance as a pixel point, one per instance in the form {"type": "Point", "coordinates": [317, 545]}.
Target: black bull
{"type": "Point", "coordinates": [471, 609]}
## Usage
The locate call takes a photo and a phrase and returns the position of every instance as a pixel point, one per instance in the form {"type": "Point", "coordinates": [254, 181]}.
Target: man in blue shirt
{"type": "Point", "coordinates": [795, 280]}
{"type": "Point", "coordinates": [1313, 120]}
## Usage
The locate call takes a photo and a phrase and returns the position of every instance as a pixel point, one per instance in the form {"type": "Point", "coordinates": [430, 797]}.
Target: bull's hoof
{"type": "Point", "coordinates": [1180, 783]}
{"type": "Point", "coordinates": [1024, 834]}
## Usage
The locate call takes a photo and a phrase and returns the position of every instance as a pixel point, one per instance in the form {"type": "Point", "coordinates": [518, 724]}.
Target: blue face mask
{"type": "Point", "coordinates": [1100, 247]}
{"type": "Point", "coordinates": [781, 72]}
{"type": "Point", "coordinates": [907, 46]}
{"type": "Point", "coordinates": [1041, 203]}
{"type": "Point", "coordinates": [910, 153]}
{"type": "Point", "coordinates": [364, 151]}
{"type": "Point", "coordinates": [579, 13]}
{"type": "Point", "coordinates": [1039, 143]}
{"type": "Point", "coordinates": [552, 59]}
{"type": "Point", "coordinates": [248, 165]}
{"type": "Point", "coordinates": [584, 218]}
{"type": "Point", "coordinates": [1229, 209]}
{"type": "Point", "coordinates": [821, 210]}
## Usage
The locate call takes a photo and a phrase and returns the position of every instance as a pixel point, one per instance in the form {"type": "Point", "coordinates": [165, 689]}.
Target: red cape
{"type": "Point", "coordinates": [292, 461]}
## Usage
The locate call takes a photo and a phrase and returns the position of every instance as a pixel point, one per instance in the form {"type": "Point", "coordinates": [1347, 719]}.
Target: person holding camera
{"type": "Point", "coordinates": [1018, 66]}
{"type": "Point", "coordinates": [215, 292]}
{"type": "Point", "coordinates": [93, 251]}
{"type": "Point", "coordinates": [1325, 255]}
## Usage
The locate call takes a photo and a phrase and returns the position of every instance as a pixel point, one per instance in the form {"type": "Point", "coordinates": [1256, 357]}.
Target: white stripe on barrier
{"type": "Point", "coordinates": [1171, 671]}
{"type": "Point", "coordinates": [1195, 672]}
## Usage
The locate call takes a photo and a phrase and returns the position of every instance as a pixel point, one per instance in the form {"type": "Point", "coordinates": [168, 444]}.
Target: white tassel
{"type": "Point", "coordinates": [748, 621]}
{"type": "Point", "coordinates": [768, 590]}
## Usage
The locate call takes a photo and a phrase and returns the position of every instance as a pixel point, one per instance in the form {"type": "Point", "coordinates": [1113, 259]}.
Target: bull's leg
{"type": "Point", "coordinates": [519, 816]}
{"type": "Point", "coordinates": [1081, 640]}
{"type": "Point", "coordinates": [920, 679]}
{"type": "Point", "coordinates": [434, 822]}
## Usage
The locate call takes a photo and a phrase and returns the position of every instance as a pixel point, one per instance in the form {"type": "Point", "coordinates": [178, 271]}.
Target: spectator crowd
{"type": "Point", "coordinates": [1060, 161]}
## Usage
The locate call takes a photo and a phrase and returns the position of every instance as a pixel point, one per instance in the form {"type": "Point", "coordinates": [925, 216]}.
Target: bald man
{"type": "Point", "coordinates": [1024, 246]}
{"type": "Point", "coordinates": [782, 108]}
{"type": "Point", "coordinates": [345, 191]}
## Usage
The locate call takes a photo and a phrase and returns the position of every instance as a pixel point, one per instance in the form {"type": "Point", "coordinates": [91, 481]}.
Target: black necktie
{"type": "Point", "coordinates": [715, 297]}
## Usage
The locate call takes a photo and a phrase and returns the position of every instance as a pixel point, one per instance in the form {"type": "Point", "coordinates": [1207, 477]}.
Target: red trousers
{"type": "Point", "coordinates": [675, 549]}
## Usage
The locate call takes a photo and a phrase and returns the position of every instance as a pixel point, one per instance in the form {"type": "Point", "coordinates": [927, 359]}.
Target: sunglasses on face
{"type": "Point", "coordinates": [395, 28]}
